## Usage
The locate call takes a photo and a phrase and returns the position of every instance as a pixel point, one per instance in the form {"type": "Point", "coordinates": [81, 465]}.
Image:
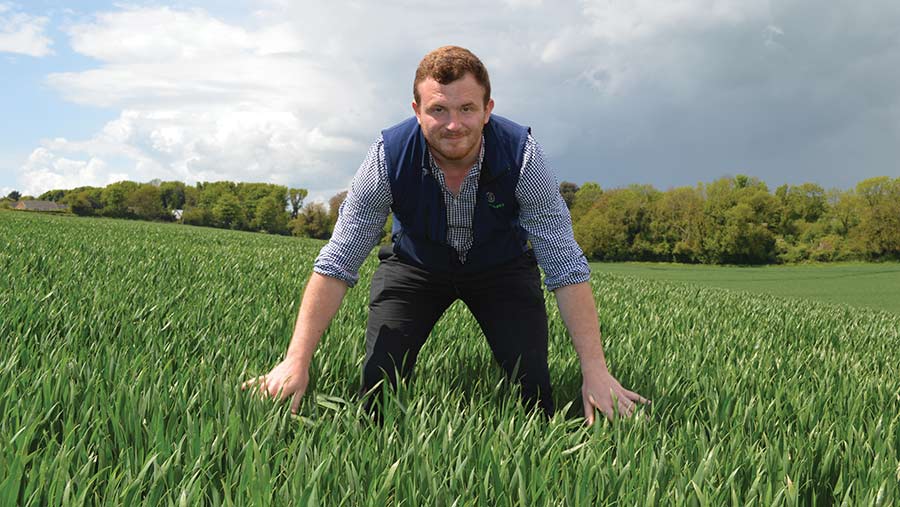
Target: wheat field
{"type": "Point", "coordinates": [124, 345]}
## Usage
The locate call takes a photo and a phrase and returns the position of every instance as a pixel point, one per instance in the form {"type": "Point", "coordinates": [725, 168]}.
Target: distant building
{"type": "Point", "coordinates": [40, 206]}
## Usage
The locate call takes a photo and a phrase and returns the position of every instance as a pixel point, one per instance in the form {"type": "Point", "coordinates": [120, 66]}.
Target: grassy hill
{"type": "Point", "coordinates": [862, 285]}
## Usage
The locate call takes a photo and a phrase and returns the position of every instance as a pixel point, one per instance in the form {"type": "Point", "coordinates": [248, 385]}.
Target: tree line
{"type": "Point", "coordinates": [737, 220]}
{"type": "Point", "coordinates": [733, 220]}
{"type": "Point", "coordinates": [261, 207]}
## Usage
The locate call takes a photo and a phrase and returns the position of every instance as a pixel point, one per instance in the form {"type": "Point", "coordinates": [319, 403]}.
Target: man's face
{"type": "Point", "coordinates": [452, 117]}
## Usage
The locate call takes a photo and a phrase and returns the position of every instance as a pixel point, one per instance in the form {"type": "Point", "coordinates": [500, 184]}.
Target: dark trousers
{"type": "Point", "coordinates": [507, 301]}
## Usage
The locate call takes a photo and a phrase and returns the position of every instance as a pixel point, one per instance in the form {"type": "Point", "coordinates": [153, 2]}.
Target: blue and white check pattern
{"type": "Point", "coordinates": [542, 213]}
{"type": "Point", "coordinates": [460, 208]}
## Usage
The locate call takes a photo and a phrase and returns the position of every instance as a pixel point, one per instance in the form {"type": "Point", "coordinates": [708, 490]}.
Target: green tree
{"type": "Point", "coordinates": [14, 195]}
{"type": "Point", "coordinates": [843, 211]}
{"type": "Point", "coordinates": [334, 207]}
{"type": "Point", "coordinates": [312, 222]}
{"type": "Point", "coordinates": [227, 213]}
{"type": "Point", "coordinates": [83, 202]}
{"type": "Point", "coordinates": [678, 225]}
{"type": "Point", "coordinates": [211, 192]}
{"type": "Point", "coordinates": [879, 224]}
{"type": "Point", "coordinates": [271, 216]}
{"type": "Point", "coordinates": [296, 196]}
{"type": "Point", "coordinates": [198, 216]}
{"type": "Point", "coordinates": [612, 228]}
{"type": "Point", "coordinates": [172, 194]}
{"type": "Point", "coordinates": [585, 198]}
{"type": "Point", "coordinates": [191, 197]}
{"type": "Point", "coordinates": [145, 202]}
{"type": "Point", "coordinates": [251, 194]}
{"type": "Point", "coordinates": [568, 190]}
{"type": "Point", "coordinates": [746, 240]}
{"type": "Point", "coordinates": [52, 195]}
{"type": "Point", "coordinates": [642, 198]}
{"type": "Point", "coordinates": [740, 212]}
{"type": "Point", "coordinates": [114, 199]}
{"type": "Point", "coordinates": [801, 206]}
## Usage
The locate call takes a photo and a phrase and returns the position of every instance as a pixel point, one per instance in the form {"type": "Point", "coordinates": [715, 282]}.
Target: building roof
{"type": "Point", "coordinates": [40, 206]}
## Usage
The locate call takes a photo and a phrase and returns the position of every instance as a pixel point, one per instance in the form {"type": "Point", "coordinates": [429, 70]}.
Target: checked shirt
{"type": "Point", "coordinates": [542, 213]}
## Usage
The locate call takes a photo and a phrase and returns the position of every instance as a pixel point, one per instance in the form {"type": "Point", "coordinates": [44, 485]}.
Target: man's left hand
{"type": "Point", "coordinates": [602, 391]}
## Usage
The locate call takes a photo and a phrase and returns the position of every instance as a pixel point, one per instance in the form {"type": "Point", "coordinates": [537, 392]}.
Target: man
{"type": "Point", "coordinates": [469, 191]}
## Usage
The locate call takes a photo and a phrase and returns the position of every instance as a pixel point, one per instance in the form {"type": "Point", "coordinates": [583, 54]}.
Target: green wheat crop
{"type": "Point", "coordinates": [123, 345]}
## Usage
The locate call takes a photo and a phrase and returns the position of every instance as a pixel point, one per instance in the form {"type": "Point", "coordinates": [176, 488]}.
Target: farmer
{"type": "Point", "coordinates": [469, 190]}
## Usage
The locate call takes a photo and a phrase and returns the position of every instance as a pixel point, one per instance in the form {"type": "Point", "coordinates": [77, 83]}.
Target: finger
{"type": "Point", "coordinates": [588, 410]}
{"type": "Point", "coordinates": [250, 383]}
{"type": "Point", "coordinates": [625, 401]}
{"type": "Point", "coordinates": [283, 391]}
{"type": "Point", "coordinates": [274, 390]}
{"type": "Point", "coordinates": [607, 412]}
{"type": "Point", "coordinates": [633, 396]}
{"type": "Point", "coordinates": [295, 403]}
{"type": "Point", "coordinates": [627, 404]}
{"type": "Point", "coordinates": [626, 409]}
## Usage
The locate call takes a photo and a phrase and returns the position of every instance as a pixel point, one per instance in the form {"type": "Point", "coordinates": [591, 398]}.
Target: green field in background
{"type": "Point", "coordinates": [870, 285]}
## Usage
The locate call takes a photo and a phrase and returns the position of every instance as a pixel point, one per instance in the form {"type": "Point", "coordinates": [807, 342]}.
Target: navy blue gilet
{"type": "Point", "coordinates": [420, 218]}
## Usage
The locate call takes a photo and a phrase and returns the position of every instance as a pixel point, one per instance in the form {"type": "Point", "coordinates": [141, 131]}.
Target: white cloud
{"type": "Point", "coordinates": [293, 95]}
{"type": "Point", "coordinates": [46, 170]}
{"type": "Point", "coordinates": [160, 57]}
{"type": "Point", "coordinates": [22, 33]}
{"type": "Point", "coordinates": [239, 146]}
{"type": "Point", "coordinates": [204, 100]}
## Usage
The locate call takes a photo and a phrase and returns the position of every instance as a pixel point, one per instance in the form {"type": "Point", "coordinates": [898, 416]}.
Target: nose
{"type": "Point", "coordinates": [454, 123]}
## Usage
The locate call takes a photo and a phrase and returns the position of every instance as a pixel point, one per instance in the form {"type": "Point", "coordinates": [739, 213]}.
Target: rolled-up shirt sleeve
{"type": "Point", "coordinates": [360, 220]}
{"type": "Point", "coordinates": [544, 215]}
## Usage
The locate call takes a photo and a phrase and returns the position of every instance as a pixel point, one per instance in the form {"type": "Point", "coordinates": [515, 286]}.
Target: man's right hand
{"type": "Point", "coordinates": [288, 379]}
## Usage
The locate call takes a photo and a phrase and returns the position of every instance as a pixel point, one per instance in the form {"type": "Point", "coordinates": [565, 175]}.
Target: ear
{"type": "Point", "coordinates": [487, 110]}
{"type": "Point", "coordinates": [415, 108]}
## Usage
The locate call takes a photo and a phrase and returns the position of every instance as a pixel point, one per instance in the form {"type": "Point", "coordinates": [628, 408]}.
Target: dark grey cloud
{"type": "Point", "coordinates": [801, 93]}
{"type": "Point", "coordinates": [643, 93]}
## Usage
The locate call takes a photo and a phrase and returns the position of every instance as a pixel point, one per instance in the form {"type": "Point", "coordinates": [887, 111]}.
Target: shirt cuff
{"type": "Point", "coordinates": [580, 274]}
{"type": "Point", "coordinates": [326, 269]}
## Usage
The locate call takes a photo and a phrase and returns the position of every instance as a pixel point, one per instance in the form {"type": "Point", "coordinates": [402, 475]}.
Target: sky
{"type": "Point", "coordinates": [667, 93]}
